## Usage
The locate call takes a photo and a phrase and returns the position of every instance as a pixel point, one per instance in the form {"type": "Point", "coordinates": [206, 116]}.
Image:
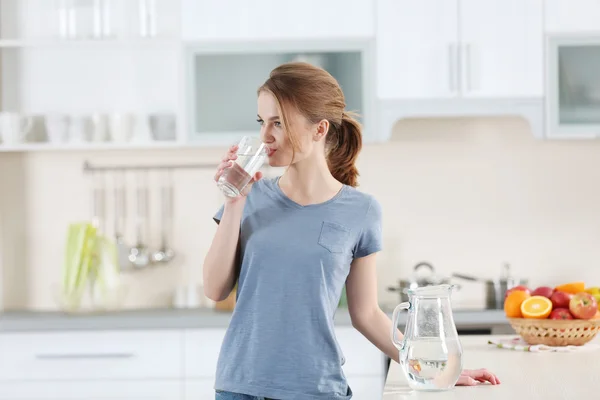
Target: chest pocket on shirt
{"type": "Point", "coordinates": [333, 237]}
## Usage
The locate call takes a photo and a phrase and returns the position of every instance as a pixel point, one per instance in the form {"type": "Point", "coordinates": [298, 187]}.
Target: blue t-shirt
{"type": "Point", "coordinates": [281, 340]}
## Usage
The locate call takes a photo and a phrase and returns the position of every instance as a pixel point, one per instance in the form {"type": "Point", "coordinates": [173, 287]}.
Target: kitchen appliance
{"type": "Point", "coordinates": [419, 279]}
{"type": "Point", "coordinates": [496, 288]}
{"type": "Point", "coordinates": [430, 351]}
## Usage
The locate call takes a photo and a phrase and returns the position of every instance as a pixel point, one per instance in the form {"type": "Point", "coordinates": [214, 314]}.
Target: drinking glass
{"type": "Point", "coordinates": [251, 155]}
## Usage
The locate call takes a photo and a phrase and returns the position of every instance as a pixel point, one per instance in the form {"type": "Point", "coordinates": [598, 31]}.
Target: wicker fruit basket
{"type": "Point", "coordinates": [552, 332]}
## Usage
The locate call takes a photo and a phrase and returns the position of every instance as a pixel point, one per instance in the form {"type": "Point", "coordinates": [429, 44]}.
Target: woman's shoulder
{"type": "Point", "coordinates": [362, 199]}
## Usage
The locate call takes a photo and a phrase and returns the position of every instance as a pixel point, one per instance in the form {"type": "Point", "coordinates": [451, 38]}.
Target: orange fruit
{"type": "Point", "coordinates": [538, 307]}
{"type": "Point", "coordinates": [512, 303]}
{"type": "Point", "coordinates": [571, 287]}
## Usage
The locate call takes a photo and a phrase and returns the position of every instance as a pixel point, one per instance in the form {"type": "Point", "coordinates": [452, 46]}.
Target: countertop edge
{"type": "Point", "coordinates": [160, 319]}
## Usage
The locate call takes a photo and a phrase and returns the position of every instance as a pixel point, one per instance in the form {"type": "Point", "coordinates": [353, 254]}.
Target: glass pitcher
{"type": "Point", "coordinates": [430, 352]}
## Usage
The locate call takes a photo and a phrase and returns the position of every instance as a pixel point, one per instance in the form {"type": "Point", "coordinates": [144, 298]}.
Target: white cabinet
{"type": "Point", "coordinates": [222, 80]}
{"type": "Point", "coordinates": [435, 49]}
{"type": "Point", "coordinates": [266, 19]}
{"type": "Point", "coordinates": [416, 49]}
{"type": "Point", "coordinates": [573, 16]}
{"type": "Point", "coordinates": [200, 389]}
{"type": "Point", "coordinates": [92, 390]}
{"type": "Point", "coordinates": [91, 355]}
{"type": "Point", "coordinates": [364, 367]}
{"type": "Point", "coordinates": [158, 364]}
{"type": "Point", "coordinates": [362, 357]}
{"type": "Point", "coordinates": [366, 387]}
{"type": "Point", "coordinates": [201, 352]}
{"type": "Point", "coordinates": [501, 48]}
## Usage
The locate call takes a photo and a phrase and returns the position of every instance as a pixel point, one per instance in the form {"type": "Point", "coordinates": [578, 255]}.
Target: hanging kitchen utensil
{"type": "Point", "coordinates": [139, 255]}
{"type": "Point", "coordinates": [98, 202]}
{"type": "Point", "coordinates": [120, 212]}
{"type": "Point", "coordinates": [165, 253]}
{"type": "Point", "coordinates": [496, 288]}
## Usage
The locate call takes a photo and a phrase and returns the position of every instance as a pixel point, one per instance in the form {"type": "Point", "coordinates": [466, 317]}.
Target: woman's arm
{"type": "Point", "coordinates": [365, 313]}
{"type": "Point", "coordinates": [374, 324]}
{"type": "Point", "coordinates": [219, 268]}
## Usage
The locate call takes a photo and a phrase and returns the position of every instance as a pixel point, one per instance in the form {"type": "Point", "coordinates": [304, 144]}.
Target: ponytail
{"type": "Point", "coordinates": [344, 146]}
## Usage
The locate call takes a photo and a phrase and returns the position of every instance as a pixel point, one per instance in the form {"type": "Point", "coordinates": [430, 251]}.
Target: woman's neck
{"type": "Point", "coordinates": [309, 182]}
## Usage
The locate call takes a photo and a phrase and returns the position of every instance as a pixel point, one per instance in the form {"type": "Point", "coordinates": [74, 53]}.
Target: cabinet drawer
{"type": "Point", "coordinates": [93, 390]}
{"type": "Point", "coordinates": [202, 347]}
{"type": "Point", "coordinates": [91, 355]}
{"type": "Point", "coordinates": [362, 357]}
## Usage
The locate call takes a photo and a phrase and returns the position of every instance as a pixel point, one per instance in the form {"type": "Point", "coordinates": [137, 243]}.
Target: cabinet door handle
{"type": "Point", "coordinates": [452, 67]}
{"type": "Point", "coordinates": [469, 67]}
{"type": "Point", "coordinates": [83, 356]}
{"type": "Point", "coordinates": [459, 67]}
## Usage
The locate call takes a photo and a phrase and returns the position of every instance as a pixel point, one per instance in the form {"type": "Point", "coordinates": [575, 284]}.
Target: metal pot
{"type": "Point", "coordinates": [418, 280]}
{"type": "Point", "coordinates": [495, 289]}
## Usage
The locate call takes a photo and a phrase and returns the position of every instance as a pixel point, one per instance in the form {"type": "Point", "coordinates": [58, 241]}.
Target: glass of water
{"type": "Point", "coordinates": [251, 155]}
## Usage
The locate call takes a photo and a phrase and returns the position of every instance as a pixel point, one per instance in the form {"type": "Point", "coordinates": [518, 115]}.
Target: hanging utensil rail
{"type": "Point", "coordinates": [88, 167]}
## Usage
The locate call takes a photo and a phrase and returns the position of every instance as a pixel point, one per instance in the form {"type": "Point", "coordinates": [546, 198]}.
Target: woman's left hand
{"type": "Point", "coordinates": [471, 377]}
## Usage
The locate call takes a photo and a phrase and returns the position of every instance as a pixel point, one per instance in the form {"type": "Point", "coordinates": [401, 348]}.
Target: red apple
{"type": "Point", "coordinates": [560, 313]}
{"type": "Point", "coordinates": [545, 291]}
{"type": "Point", "coordinates": [583, 305]}
{"type": "Point", "coordinates": [514, 288]}
{"type": "Point", "coordinates": [560, 299]}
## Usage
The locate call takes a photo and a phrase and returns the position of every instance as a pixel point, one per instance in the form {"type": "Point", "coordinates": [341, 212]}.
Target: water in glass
{"type": "Point", "coordinates": [251, 155]}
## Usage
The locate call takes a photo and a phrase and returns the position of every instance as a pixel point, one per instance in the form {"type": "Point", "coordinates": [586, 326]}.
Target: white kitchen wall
{"type": "Point", "coordinates": [464, 194]}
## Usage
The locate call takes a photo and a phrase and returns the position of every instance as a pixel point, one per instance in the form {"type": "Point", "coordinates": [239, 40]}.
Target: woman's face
{"type": "Point", "coordinates": [274, 135]}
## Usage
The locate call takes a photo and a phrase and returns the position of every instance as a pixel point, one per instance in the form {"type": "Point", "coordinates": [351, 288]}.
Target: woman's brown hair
{"type": "Point", "coordinates": [317, 95]}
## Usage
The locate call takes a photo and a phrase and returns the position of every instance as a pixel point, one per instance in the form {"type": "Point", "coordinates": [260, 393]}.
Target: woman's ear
{"type": "Point", "coordinates": [321, 131]}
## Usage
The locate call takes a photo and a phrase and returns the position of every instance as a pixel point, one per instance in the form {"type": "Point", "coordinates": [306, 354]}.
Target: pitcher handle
{"type": "Point", "coordinates": [395, 314]}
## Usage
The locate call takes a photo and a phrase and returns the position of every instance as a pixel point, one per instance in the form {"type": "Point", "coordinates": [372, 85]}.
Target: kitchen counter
{"type": "Point", "coordinates": [523, 375]}
{"type": "Point", "coordinates": [188, 319]}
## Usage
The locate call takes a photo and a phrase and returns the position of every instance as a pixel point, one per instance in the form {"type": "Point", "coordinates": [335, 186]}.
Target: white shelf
{"type": "Point", "coordinates": [32, 43]}
{"type": "Point", "coordinates": [39, 147]}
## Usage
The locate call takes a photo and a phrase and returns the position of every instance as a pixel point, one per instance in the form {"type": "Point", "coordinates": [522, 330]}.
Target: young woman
{"type": "Point", "coordinates": [292, 243]}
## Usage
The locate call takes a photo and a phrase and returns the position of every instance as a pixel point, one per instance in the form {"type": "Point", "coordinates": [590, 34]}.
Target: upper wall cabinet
{"type": "Point", "coordinates": [416, 49]}
{"type": "Point", "coordinates": [434, 49]}
{"type": "Point", "coordinates": [572, 16]}
{"type": "Point", "coordinates": [501, 48]}
{"type": "Point", "coordinates": [268, 19]}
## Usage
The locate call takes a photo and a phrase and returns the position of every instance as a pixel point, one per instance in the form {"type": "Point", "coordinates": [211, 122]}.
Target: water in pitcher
{"type": "Point", "coordinates": [431, 363]}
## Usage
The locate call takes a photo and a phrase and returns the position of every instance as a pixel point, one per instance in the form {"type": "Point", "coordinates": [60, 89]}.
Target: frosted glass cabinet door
{"type": "Point", "coordinates": [417, 49]}
{"type": "Point", "coordinates": [574, 86]}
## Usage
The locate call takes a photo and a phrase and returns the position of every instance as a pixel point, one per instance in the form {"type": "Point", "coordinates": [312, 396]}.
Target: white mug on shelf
{"type": "Point", "coordinates": [121, 127]}
{"type": "Point", "coordinates": [99, 128]}
{"type": "Point", "coordinates": [79, 129]}
{"type": "Point", "coordinates": [163, 126]}
{"type": "Point", "coordinates": [14, 127]}
{"type": "Point", "coordinates": [142, 132]}
{"type": "Point", "coordinates": [57, 127]}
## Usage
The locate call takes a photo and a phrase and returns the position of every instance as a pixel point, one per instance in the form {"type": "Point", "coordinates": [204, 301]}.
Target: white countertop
{"type": "Point", "coordinates": [27, 321]}
{"type": "Point", "coordinates": [523, 375]}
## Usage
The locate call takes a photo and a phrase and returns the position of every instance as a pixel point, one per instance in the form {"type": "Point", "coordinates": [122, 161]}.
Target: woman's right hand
{"type": "Point", "coordinates": [226, 162]}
